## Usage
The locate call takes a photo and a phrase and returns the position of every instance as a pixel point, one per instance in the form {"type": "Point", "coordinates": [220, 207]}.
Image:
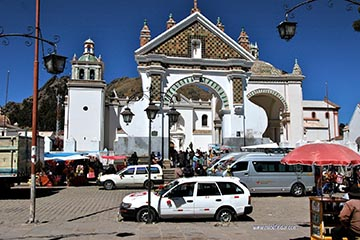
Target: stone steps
{"type": "Point", "coordinates": [169, 174]}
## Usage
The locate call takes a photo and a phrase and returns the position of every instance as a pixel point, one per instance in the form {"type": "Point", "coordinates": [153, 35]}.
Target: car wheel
{"type": "Point", "coordinates": [109, 185]}
{"type": "Point", "coordinates": [224, 215]}
{"type": "Point", "coordinates": [297, 190]}
{"type": "Point", "coordinates": [142, 215]}
{"type": "Point", "coordinates": [147, 183]}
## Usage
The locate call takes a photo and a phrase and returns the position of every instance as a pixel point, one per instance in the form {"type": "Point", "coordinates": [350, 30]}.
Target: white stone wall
{"type": "Point", "coordinates": [86, 127]}
{"type": "Point", "coordinates": [354, 125]}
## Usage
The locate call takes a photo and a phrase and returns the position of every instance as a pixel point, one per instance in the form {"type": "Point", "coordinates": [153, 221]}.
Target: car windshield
{"type": "Point", "coordinates": [164, 188]}
{"type": "Point", "coordinates": [224, 164]}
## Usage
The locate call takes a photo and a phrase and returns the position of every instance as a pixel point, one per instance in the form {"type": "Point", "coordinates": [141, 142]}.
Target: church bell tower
{"type": "Point", "coordinates": [85, 103]}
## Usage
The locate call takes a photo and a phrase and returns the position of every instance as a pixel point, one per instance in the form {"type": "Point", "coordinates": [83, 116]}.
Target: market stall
{"type": "Point", "coordinates": [324, 211]}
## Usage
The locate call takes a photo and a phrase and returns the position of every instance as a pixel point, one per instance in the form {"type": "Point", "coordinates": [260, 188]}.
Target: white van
{"type": "Point", "coordinates": [263, 173]}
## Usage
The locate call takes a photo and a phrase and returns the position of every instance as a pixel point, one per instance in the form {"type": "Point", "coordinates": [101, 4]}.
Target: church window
{"type": "Point", "coordinates": [196, 48]}
{"type": "Point", "coordinates": [313, 114]}
{"type": "Point", "coordinates": [81, 74]}
{"type": "Point", "coordinates": [204, 120]}
{"type": "Point", "coordinates": [92, 74]}
{"type": "Point", "coordinates": [327, 115]}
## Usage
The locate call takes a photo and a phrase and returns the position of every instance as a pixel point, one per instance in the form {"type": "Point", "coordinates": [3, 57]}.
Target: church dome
{"type": "Point", "coordinates": [264, 68]}
{"type": "Point", "coordinates": [88, 58]}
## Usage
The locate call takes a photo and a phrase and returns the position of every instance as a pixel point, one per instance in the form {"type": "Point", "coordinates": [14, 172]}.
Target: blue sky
{"type": "Point", "coordinates": [326, 46]}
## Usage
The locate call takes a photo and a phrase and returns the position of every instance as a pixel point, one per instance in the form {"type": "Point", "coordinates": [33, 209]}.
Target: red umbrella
{"type": "Point", "coordinates": [321, 154]}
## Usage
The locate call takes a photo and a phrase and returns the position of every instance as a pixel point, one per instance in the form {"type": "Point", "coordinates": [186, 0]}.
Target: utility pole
{"type": "Point", "coordinates": [6, 98]}
{"type": "Point", "coordinates": [58, 113]}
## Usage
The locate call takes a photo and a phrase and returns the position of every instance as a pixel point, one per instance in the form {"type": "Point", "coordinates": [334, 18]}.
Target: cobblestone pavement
{"type": "Point", "coordinates": [91, 213]}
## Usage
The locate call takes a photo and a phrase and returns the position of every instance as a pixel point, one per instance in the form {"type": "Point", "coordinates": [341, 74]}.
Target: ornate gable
{"type": "Point", "coordinates": [195, 33]}
{"type": "Point", "coordinates": [181, 45]}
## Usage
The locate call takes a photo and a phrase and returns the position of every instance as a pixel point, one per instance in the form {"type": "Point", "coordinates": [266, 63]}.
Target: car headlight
{"type": "Point", "coordinates": [125, 205]}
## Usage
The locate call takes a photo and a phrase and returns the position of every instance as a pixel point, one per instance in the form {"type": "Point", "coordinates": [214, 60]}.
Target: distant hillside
{"type": "Point", "coordinates": [21, 113]}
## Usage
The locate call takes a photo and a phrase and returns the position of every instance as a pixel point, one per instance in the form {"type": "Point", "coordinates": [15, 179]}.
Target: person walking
{"type": "Point", "coordinates": [349, 217]}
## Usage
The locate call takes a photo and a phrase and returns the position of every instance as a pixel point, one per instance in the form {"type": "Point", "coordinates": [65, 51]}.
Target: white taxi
{"type": "Point", "coordinates": [133, 176]}
{"type": "Point", "coordinates": [223, 198]}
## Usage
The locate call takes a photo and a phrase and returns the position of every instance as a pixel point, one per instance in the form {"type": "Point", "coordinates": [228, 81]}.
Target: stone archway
{"type": "Point", "coordinates": [202, 80]}
{"type": "Point", "coordinates": [274, 105]}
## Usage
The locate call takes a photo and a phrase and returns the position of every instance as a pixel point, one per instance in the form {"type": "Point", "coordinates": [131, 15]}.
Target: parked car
{"type": "Point", "coordinates": [263, 173]}
{"type": "Point", "coordinates": [222, 198]}
{"type": "Point", "coordinates": [132, 176]}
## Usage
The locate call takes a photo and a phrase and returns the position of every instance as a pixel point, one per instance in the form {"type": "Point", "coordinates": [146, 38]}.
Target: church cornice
{"type": "Point", "coordinates": [86, 83]}
{"type": "Point", "coordinates": [277, 78]}
{"type": "Point", "coordinates": [163, 59]}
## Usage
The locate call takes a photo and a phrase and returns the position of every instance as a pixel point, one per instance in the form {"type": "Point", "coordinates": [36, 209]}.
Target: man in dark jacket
{"type": "Point", "coordinates": [349, 217]}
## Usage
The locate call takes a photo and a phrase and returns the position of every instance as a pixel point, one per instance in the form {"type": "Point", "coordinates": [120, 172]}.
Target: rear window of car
{"type": "Point", "coordinates": [229, 188]}
{"type": "Point", "coordinates": [155, 170]}
{"type": "Point", "coordinates": [207, 189]}
{"type": "Point", "coordinates": [141, 170]}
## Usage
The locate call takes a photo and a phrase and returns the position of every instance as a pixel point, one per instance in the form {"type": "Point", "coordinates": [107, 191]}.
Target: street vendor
{"type": "Point", "coordinates": [349, 217]}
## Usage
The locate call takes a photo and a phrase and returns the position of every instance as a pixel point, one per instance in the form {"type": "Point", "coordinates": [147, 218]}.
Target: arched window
{"type": "Point", "coordinates": [327, 115]}
{"type": "Point", "coordinates": [81, 74]}
{"type": "Point", "coordinates": [204, 120]}
{"type": "Point", "coordinates": [92, 74]}
{"type": "Point", "coordinates": [313, 114]}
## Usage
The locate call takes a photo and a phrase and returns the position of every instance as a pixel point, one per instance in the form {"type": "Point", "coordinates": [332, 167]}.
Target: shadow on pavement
{"type": "Point", "coordinates": [65, 236]}
{"type": "Point", "coordinates": [91, 214]}
{"type": "Point", "coordinates": [300, 238]}
{"type": "Point", "coordinates": [178, 220]}
{"type": "Point", "coordinates": [24, 193]}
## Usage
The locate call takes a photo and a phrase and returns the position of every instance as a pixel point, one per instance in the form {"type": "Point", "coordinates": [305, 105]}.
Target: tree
{"type": "Point", "coordinates": [356, 24]}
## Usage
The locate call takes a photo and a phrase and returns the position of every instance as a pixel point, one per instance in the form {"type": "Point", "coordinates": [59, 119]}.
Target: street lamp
{"type": "Point", "coordinates": [173, 116]}
{"type": "Point", "coordinates": [287, 29]}
{"type": "Point", "coordinates": [151, 112]}
{"type": "Point", "coordinates": [54, 64]}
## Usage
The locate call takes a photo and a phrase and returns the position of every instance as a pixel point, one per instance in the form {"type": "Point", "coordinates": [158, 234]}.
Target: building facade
{"type": "Point", "coordinates": [253, 102]}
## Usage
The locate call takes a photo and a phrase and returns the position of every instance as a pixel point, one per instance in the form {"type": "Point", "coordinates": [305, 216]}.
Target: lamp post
{"type": "Point", "coordinates": [54, 64]}
{"type": "Point", "coordinates": [151, 112]}
{"type": "Point", "coordinates": [173, 116]}
{"type": "Point", "coordinates": [287, 29]}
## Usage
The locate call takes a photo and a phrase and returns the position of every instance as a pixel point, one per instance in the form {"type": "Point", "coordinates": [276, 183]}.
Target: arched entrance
{"type": "Point", "coordinates": [207, 99]}
{"type": "Point", "coordinates": [217, 89]}
{"type": "Point", "coordinates": [274, 105]}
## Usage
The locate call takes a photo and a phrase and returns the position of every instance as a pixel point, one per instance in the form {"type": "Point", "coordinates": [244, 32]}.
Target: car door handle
{"type": "Point", "coordinates": [218, 200]}
{"type": "Point", "coordinates": [189, 201]}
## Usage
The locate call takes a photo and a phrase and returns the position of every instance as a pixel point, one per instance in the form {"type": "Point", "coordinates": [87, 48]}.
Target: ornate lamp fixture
{"type": "Point", "coordinates": [287, 29]}
{"type": "Point", "coordinates": [53, 62]}
{"type": "Point", "coordinates": [173, 115]}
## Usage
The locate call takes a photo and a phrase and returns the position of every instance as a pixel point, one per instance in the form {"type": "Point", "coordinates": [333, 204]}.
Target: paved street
{"type": "Point", "coordinates": [91, 213]}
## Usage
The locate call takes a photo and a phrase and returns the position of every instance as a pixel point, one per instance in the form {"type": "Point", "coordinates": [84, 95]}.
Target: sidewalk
{"type": "Point", "coordinates": [91, 213]}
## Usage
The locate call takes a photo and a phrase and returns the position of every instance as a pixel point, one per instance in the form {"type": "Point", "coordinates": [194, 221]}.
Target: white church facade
{"type": "Point", "coordinates": [253, 102]}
